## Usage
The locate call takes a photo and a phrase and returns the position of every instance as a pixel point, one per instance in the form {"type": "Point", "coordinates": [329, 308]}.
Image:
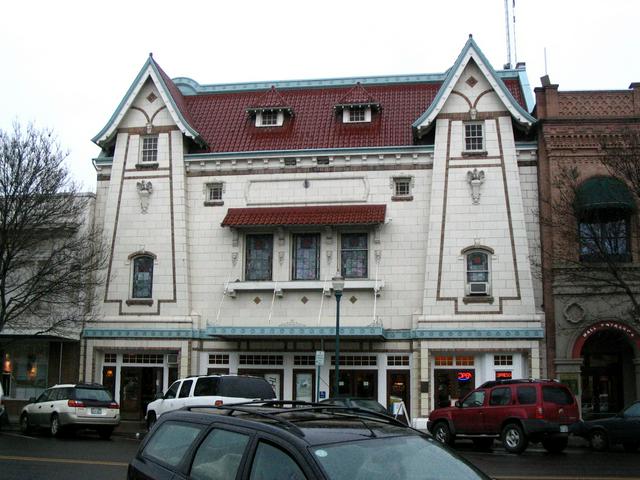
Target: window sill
{"type": "Point", "coordinates": [213, 203]}
{"type": "Point", "coordinates": [316, 285]}
{"type": "Point", "coordinates": [147, 166]}
{"type": "Point", "coordinates": [477, 299]}
{"type": "Point", "coordinates": [475, 153]}
{"type": "Point", "coordinates": [147, 302]}
{"type": "Point", "coordinates": [402, 198]}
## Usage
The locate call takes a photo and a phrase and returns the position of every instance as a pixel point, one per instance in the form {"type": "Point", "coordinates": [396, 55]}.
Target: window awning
{"type": "Point", "coordinates": [600, 193]}
{"type": "Point", "coordinates": [316, 215]}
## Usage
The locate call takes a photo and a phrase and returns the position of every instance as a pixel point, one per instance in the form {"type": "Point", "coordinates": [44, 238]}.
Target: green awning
{"type": "Point", "coordinates": [600, 193]}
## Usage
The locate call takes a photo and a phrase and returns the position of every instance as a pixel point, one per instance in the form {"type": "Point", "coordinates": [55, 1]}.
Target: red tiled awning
{"type": "Point", "coordinates": [320, 215]}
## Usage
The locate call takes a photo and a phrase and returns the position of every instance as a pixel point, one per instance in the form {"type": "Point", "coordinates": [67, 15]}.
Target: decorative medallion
{"type": "Point", "coordinates": [574, 313]}
{"type": "Point", "coordinates": [353, 299]}
{"type": "Point", "coordinates": [471, 81]}
{"type": "Point", "coordinates": [257, 300]}
{"type": "Point", "coordinates": [304, 300]}
{"type": "Point", "coordinates": [151, 97]}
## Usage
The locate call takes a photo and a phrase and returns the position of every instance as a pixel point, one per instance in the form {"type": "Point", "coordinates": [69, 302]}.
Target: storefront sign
{"type": "Point", "coordinates": [464, 376]}
{"type": "Point", "coordinates": [504, 375]}
{"type": "Point", "coordinates": [627, 330]}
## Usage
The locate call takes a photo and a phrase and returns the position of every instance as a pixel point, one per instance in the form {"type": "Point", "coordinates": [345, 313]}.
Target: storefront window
{"type": "Point", "coordinates": [25, 369]}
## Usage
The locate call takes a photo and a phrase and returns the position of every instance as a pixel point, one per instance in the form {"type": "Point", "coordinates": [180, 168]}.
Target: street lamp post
{"type": "Point", "coordinates": [338, 285]}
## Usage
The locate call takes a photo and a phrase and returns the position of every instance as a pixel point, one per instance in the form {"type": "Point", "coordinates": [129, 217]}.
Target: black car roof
{"type": "Point", "coordinates": [306, 423]}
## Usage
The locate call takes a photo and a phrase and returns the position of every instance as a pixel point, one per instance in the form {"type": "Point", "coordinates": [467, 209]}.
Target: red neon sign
{"type": "Point", "coordinates": [504, 375]}
{"type": "Point", "coordinates": [464, 376]}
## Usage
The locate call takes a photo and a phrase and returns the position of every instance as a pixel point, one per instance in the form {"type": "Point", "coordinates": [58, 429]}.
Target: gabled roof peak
{"type": "Point", "coordinates": [358, 96]}
{"type": "Point", "coordinates": [270, 100]}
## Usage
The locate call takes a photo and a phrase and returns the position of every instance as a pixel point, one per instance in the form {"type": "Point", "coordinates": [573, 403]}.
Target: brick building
{"type": "Point", "coordinates": [229, 208]}
{"type": "Point", "coordinates": [593, 341]}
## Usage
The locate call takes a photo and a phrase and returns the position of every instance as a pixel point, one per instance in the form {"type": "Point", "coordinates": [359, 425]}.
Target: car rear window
{"type": "Point", "coordinates": [526, 395]}
{"type": "Point", "coordinates": [170, 442]}
{"type": "Point", "coordinates": [246, 387]}
{"type": "Point", "coordinates": [97, 394]}
{"type": "Point", "coordinates": [207, 386]}
{"type": "Point", "coordinates": [558, 395]}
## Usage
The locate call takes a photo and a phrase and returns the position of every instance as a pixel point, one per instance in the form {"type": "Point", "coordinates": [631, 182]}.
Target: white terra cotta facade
{"type": "Point", "coordinates": [412, 326]}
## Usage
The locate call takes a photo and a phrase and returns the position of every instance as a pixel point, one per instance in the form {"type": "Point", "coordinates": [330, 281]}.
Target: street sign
{"type": "Point", "coordinates": [319, 358]}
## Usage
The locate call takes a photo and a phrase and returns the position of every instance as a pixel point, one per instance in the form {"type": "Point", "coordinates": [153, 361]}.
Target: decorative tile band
{"type": "Point", "coordinates": [286, 331]}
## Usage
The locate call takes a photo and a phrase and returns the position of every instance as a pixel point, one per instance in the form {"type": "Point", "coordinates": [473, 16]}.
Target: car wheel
{"type": "Point", "coordinates": [514, 439]}
{"type": "Point", "coordinates": [151, 420]}
{"type": "Point", "coordinates": [105, 432]}
{"type": "Point", "coordinates": [630, 446]}
{"type": "Point", "coordinates": [54, 427]}
{"type": "Point", "coordinates": [442, 433]}
{"type": "Point", "coordinates": [555, 445]}
{"type": "Point", "coordinates": [25, 426]}
{"type": "Point", "coordinates": [483, 444]}
{"type": "Point", "coordinates": [598, 440]}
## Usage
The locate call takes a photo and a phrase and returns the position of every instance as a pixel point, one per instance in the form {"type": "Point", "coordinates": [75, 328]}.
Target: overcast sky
{"type": "Point", "coordinates": [67, 65]}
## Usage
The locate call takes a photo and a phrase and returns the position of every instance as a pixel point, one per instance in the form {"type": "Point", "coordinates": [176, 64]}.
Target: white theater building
{"type": "Point", "coordinates": [229, 208]}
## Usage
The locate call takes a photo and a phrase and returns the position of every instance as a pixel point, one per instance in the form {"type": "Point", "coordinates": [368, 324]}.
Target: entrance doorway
{"type": "Point", "coordinates": [138, 387]}
{"type": "Point", "coordinates": [356, 383]}
{"type": "Point", "coordinates": [398, 388]}
{"type": "Point", "coordinates": [606, 355]}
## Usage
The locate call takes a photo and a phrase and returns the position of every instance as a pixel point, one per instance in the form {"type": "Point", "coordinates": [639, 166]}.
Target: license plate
{"type": "Point", "coordinates": [564, 428]}
{"type": "Point", "coordinates": [96, 411]}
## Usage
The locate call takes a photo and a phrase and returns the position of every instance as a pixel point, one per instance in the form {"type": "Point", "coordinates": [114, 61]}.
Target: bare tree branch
{"type": "Point", "coordinates": [51, 252]}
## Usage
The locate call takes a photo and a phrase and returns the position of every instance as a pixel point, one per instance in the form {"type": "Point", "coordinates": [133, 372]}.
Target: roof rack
{"type": "Point", "coordinates": [294, 406]}
{"type": "Point", "coordinates": [492, 383]}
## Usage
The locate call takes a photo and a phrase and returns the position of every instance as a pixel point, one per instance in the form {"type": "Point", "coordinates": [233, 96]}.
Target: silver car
{"type": "Point", "coordinates": [72, 407]}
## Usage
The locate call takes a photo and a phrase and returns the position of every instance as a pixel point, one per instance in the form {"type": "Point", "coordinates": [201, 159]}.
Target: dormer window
{"type": "Point", "coordinates": [269, 118]}
{"type": "Point", "coordinates": [356, 115]}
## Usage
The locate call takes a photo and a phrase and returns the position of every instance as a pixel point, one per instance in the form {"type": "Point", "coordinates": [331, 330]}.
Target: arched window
{"type": "Point", "coordinates": [478, 278]}
{"type": "Point", "coordinates": [603, 207]}
{"type": "Point", "coordinates": [142, 276]}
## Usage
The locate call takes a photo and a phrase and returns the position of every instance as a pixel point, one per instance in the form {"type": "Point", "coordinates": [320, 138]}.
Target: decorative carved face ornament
{"type": "Point", "coordinates": [475, 179]}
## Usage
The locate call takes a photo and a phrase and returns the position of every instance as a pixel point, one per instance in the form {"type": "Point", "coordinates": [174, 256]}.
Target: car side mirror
{"type": "Point", "coordinates": [32, 400]}
{"type": "Point", "coordinates": [458, 404]}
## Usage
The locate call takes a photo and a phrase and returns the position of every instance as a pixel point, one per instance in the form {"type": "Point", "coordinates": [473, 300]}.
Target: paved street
{"type": "Point", "coordinates": [40, 457]}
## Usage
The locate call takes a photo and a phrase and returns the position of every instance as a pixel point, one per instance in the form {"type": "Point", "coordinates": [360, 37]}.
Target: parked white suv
{"type": "Point", "coordinates": [209, 390]}
{"type": "Point", "coordinates": [72, 407]}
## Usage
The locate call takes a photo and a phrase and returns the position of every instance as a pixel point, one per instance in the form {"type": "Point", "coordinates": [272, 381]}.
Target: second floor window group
{"type": "Point", "coordinates": [305, 256]}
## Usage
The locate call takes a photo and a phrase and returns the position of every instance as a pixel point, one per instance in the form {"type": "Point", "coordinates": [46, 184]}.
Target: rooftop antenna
{"type": "Point", "coordinates": [545, 61]}
{"type": "Point", "coordinates": [513, 17]}
{"type": "Point", "coordinates": [508, 29]}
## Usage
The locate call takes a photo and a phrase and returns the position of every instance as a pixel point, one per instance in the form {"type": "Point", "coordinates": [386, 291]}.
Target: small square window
{"type": "Point", "coordinates": [402, 187]}
{"type": "Point", "coordinates": [150, 149]}
{"type": "Point", "coordinates": [214, 191]}
{"type": "Point", "coordinates": [269, 118]}
{"type": "Point", "coordinates": [473, 137]}
{"type": "Point", "coordinates": [356, 115]}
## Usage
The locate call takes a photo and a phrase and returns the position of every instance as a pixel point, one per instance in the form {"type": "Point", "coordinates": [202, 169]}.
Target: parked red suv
{"type": "Point", "coordinates": [516, 411]}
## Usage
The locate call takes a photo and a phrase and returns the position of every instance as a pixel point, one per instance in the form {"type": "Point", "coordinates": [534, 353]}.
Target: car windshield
{"type": "Point", "coordinates": [93, 394]}
{"type": "Point", "coordinates": [368, 404]}
{"type": "Point", "coordinates": [407, 457]}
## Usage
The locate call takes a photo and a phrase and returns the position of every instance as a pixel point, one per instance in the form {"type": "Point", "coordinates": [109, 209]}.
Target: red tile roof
{"type": "Point", "coordinates": [222, 120]}
{"type": "Point", "coordinates": [316, 215]}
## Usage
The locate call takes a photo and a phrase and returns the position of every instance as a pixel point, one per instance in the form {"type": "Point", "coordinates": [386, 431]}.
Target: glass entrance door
{"type": "Point", "coordinates": [356, 383]}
